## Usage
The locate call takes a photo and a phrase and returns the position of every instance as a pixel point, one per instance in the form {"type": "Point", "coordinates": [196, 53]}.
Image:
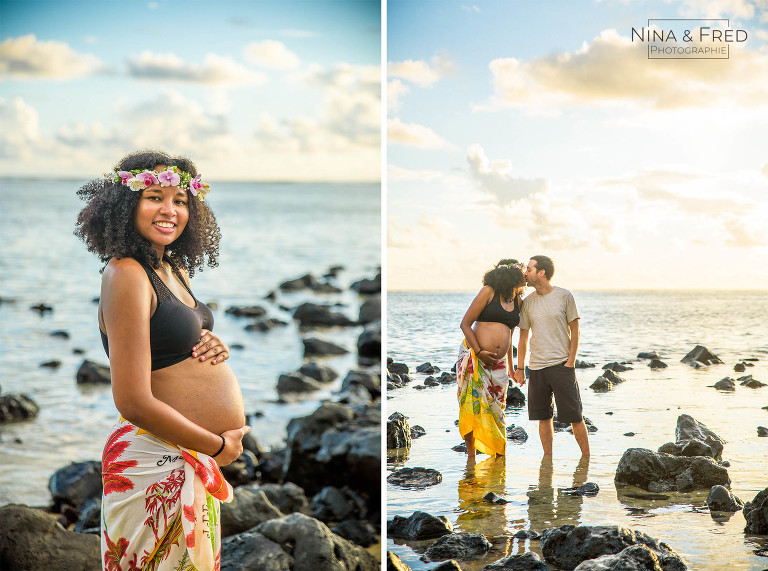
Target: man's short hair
{"type": "Point", "coordinates": [545, 263]}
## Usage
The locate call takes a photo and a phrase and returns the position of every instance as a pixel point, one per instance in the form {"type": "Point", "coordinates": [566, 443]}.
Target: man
{"type": "Point", "coordinates": [552, 315]}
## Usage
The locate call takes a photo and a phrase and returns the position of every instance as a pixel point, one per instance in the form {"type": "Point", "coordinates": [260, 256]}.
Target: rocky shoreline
{"type": "Point", "coordinates": [694, 461]}
{"type": "Point", "coordinates": [314, 503]}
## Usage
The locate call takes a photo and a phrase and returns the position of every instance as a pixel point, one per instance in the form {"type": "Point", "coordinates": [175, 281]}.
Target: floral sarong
{"type": "Point", "coordinates": [160, 508]}
{"type": "Point", "coordinates": [482, 398]}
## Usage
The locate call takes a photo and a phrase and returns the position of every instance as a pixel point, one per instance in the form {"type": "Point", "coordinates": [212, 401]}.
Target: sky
{"type": "Point", "coordinates": [524, 128]}
{"type": "Point", "coordinates": [249, 90]}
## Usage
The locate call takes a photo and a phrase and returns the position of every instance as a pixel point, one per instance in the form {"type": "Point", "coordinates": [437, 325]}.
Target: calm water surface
{"type": "Point", "coordinates": [270, 233]}
{"type": "Point", "coordinates": [615, 326]}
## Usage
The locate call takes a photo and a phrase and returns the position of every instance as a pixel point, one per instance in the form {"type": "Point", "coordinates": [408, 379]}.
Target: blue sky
{"type": "Point", "coordinates": [522, 128]}
{"type": "Point", "coordinates": [250, 90]}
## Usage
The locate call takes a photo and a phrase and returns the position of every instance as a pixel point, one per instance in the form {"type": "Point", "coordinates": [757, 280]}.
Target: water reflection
{"type": "Point", "coordinates": [548, 507]}
{"type": "Point", "coordinates": [477, 514]}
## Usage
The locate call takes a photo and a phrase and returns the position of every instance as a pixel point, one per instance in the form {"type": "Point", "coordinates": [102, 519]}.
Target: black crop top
{"type": "Point", "coordinates": [495, 313]}
{"type": "Point", "coordinates": [174, 327]}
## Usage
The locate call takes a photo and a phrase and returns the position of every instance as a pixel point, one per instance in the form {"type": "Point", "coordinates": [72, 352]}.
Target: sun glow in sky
{"type": "Point", "coordinates": [523, 128]}
{"type": "Point", "coordinates": [250, 90]}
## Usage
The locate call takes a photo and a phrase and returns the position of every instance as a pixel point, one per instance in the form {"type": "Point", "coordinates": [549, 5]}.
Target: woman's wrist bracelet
{"type": "Point", "coordinates": [223, 443]}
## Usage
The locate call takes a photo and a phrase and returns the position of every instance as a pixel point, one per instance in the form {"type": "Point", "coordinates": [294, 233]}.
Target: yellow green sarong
{"type": "Point", "coordinates": [482, 393]}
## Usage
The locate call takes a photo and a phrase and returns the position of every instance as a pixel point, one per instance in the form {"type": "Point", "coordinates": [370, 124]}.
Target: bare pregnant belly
{"type": "Point", "coordinates": [208, 395]}
{"type": "Point", "coordinates": [494, 337]}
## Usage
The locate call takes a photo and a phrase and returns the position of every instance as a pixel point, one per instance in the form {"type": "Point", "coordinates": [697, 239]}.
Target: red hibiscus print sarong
{"type": "Point", "coordinates": [160, 508]}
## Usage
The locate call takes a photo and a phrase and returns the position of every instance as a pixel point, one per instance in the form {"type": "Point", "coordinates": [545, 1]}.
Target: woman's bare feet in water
{"type": "Point", "coordinates": [469, 440]}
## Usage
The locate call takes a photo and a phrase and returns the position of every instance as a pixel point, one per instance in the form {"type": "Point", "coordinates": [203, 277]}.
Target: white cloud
{"type": "Point", "coordinates": [271, 54]}
{"type": "Point", "coordinates": [497, 177]}
{"type": "Point", "coordinates": [215, 69]}
{"type": "Point", "coordinates": [19, 129]}
{"type": "Point", "coordinates": [27, 58]}
{"type": "Point", "coordinates": [742, 9]}
{"type": "Point", "coordinates": [743, 233]}
{"type": "Point", "coordinates": [395, 89]}
{"type": "Point", "coordinates": [398, 173]}
{"type": "Point", "coordinates": [414, 135]}
{"type": "Point", "coordinates": [420, 72]}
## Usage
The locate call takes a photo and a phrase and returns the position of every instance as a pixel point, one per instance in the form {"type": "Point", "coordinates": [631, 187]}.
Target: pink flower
{"type": "Point", "coordinates": [169, 178]}
{"type": "Point", "coordinates": [195, 184]}
{"type": "Point", "coordinates": [147, 178]}
{"type": "Point", "coordinates": [126, 176]}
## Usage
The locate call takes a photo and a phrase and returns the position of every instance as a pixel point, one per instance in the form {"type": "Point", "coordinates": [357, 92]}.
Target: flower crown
{"type": "Point", "coordinates": [139, 179]}
{"type": "Point", "coordinates": [519, 265]}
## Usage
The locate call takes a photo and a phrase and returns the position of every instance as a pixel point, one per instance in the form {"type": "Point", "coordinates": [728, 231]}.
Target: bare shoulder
{"type": "Point", "coordinates": [123, 274]}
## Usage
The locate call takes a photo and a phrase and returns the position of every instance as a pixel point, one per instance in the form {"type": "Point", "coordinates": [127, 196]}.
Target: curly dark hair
{"type": "Point", "coordinates": [507, 281]}
{"type": "Point", "coordinates": [106, 223]}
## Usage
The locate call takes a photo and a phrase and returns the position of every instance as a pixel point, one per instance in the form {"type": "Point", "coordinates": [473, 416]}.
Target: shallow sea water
{"type": "Point", "coordinates": [615, 326]}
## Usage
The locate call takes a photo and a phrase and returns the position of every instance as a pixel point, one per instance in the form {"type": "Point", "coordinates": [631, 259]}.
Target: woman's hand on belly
{"type": "Point", "coordinates": [493, 337]}
{"type": "Point", "coordinates": [233, 445]}
{"type": "Point", "coordinates": [210, 347]}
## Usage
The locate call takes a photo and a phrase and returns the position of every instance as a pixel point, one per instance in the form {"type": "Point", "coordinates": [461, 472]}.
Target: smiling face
{"type": "Point", "coordinates": [162, 214]}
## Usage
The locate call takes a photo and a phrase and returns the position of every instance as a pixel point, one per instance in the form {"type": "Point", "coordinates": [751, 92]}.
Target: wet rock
{"type": "Point", "coordinates": [739, 367]}
{"type": "Point", "coordinates": [417, 431]}
{"type": "Point", "coordinates": [271, 465]}
{"type": "Point", "coordinates": [318, 372]}
{"type": "Point", "coordinates": [460, 447]}
{"type": "Point", "coordinates": [701, 355]}
{"type": "Point", "coordinates": [246, 311]}
{"type": "Point", "coordinates": [721, 499]}
{"type": "Point", "coordinates": [657, 364]}
{"type": "Point", "coordinates": [370, 310]}
{"type": "Point", "coordinates": [51, 364]}
{"type": "Point", "coordinates": [393, 381]}
{"type": "Point", "coordinates": [265, 325]}
{"type": "Point", "coordinates": [369, 342]}
{"type": "Point", "coordinates": [495, 499]}
{"type": "Point", "coordinates": [331, 504]}
{"type": "Point", "coordinates": [368, 286]}
{"type": "Point", "coordinates": [611, 375]}
{"type": "Point", "coordinates": [91, 372]}
{"type": "Point", "coordinates": [242, 470]}
{"type": "Point", "coordinates": [90, 517]}
{"type": "Point", "coordinates": [75, 483]}
{"type": "Point", "coordinates": [450, 565]}
{"type": "Point", "coordinates": [313, 315]}
{"type": "Point", "coordinates": [307, 281]}
{"type": "Point", "coordinates": [616, 367]}
{"type": "Point", "coordinates": [30, 539]}
{"type": "Point", "coordinates": [634, 558]}
{"type": "Point", "coordinates": [751, 383]}
{"type": "Point", "coordinates": [529, 561]}
{"type": "Point", "coordinates": [419, 525]}
{"type": "Point", "coordinates": [427, 369]}
{"type": "Point", "coordinates": [583, 364]}
{"type": "Point", "coordinates": [589, 489]}
{"type": "Point", "coordinates": [415, 477]}
{"type": "Point", "coordinates": [371, 381]}
{"type": "Point", "coordinates": [318, 347]}
{"type": "Point", "coordinates": [601, 385]}
{"type": "Point", "coordinates": [756, 514]}
{"type": "Point", "coordinates": [358, 532]}
{"type": "Point", "coordinates": [516, 433]}
{"type": "Point", "coordinates": [17, 407]}
{"type": "Point", "coordinates": [648, 355]}
{"type": "Point", "coordinates": [397, 368]}
{"type": "Point", "coordinates": [431, 382]}
{"type": "Point", "coordinates": [249, 507]}
{"type": "Point", "coordinates": [395, 564]}
{"type": "Point", "coordinates": [688, 428]}
{"type": "Point", "coordinates": [515, 397]}
{"type": "Point", "coordinates": [288, 497]}
{"type": "Point", "coordinates": [725, 384]}
{"type": "Point", "coordinates": [60, 334]}
{"type": "Point", "coordinates": [251, 551]}
{"type": "Point", "coordinates": [762, 431]}
{"type": "Point", "coordinates": [568, 546]}
{"type": "Point", "coordinates": [447, 378]}
{"type": "Point", "coordinates": [41, 308]}
{"type": "Point", "coordinates": [296, 383]}
{"type": "Point", "coordinates": [629, 434]}
{"type": "Point", "coordinates": [526, 534]}
{"type": "Point", "coordinates": [662, 472]}
{"type": "Point", "coordinates": [687, 448]}
{"type": "Point", "coordinates": [398, 431]}
{"type": "Point", "coordinates": [313, 546]}
{"type": "Point", "coordinates": [462, 546]}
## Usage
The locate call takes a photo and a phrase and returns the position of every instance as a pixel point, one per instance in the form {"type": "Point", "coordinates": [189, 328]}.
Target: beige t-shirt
{"type": "Point", "coordinates": [548, 316]}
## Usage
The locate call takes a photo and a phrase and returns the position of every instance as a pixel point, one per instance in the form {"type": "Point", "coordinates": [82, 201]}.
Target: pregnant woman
{"type": "Point", "coordinates": [181, 410]}
{"type": "Point", "coordinates": [485, 358]}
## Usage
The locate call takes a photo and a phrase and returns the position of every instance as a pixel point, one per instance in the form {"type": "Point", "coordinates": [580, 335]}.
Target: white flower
{"type": "Point", "coordinates": [136, 184]}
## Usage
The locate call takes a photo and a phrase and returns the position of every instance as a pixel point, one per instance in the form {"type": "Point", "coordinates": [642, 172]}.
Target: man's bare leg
{"type": "Point", "coordinates": [469, 440]}
{"type": "Point", "coordinates": [547, 434]}
{"type": "Point", "coordinates": [582, 439]}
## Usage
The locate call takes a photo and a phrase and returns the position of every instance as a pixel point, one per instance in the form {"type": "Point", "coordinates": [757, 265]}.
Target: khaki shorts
{"type": "Point", "coordinates": [558, 381]}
